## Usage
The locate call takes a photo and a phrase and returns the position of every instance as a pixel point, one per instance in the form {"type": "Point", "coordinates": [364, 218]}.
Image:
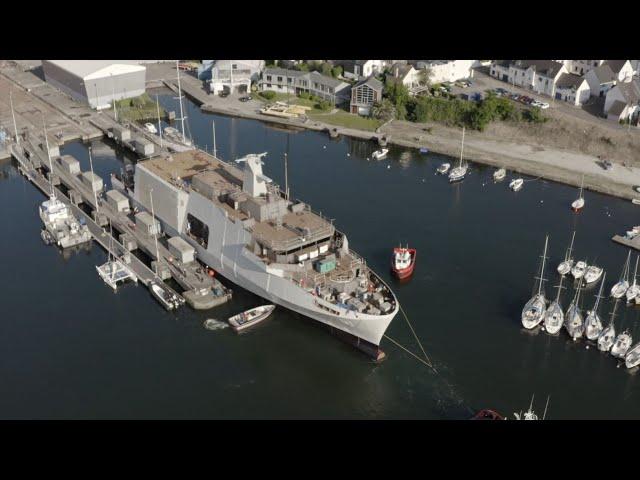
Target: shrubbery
{"type": "Point", "coordinates": [268, 94]}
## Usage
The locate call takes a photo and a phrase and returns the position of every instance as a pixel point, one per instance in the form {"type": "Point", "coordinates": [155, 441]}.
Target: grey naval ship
{"type": "Point", "coordinates": [247, 229]}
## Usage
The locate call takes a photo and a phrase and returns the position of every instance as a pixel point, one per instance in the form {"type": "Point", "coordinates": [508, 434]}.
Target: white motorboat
{"type": "Point", "coordinates": [459, 172]}
{"type": "Point", "coordinates": [593, 324]}
{"type": "Point", "coordinates": [578, 204]}
{"type": "Point", "coordinates": [592, 274]}
{"type": "Point", "coordinates": [620, 288]}
{"type": "Point", "coordinates": [554, 316]}
{"type": "Point", "coordinates": [566, 266]}
{"type": "Point", "coordinates": [151, 128]}
{"type": "Point", "coordinates": [621, 345]}
{"type": "Point", "coordinates": [499, 175]}
{"type": "Point", "coordinates": [251, 317]}
{"type": "Point", "coordinates": [534, 311]}
{"type": "Point", "coordinates": [516, 184]}
{"type": "Point", "coordinates": [634, 290]}
{"type": "Point", "coordinates": [444, 168]}
{"type": "Point", "coordinates": [573, 319]}
{"type": "Point", "coordinates": [579, 269]}
{"type": "Point", "coordinates": [380, 154]}
{"type": "Point", "coordinates": [632, 358]}
{"type": "Point", "coordinates": [168, 299]}
{"type": "Point", "coordinates": [608, 335]}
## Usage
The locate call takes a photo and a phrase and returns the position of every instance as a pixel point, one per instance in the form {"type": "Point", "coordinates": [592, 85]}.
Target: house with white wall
{"type": "Point", "coordinates": [234, 75]}
{"type": "Point", "coordinates": [601, 79]}
{"type": "Point", "coordinates": [623, 101]}
{"type": "Point", "coordinates": [622, 68]}
{"type": "Point", "coordinates": [572, 88]}
{"type": "Point", "coordinates": [581, 67]}
{"type": "Point", "coordinates": [405, 74]}
{"type": "Point", "coordinates": [364, 94]}
{"type": "Point", "coordinates": [447, 70]}
{"type": "Point", "coordinates": [356, 69]}
{"type": "Point", "coordinates": [295, 82]}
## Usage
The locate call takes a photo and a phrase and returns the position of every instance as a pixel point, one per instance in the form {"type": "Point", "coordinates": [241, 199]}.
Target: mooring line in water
{"type": "Point", "coordinates": [411, 353]}
{"type": "Point", "coordinates": [416, 337]}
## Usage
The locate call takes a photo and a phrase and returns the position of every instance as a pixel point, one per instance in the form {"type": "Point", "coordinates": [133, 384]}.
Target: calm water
{"type": "Point", "coordinates": [70, 348]}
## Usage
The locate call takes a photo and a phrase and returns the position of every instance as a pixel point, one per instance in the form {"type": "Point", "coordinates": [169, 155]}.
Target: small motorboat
{"type": "Point", "coordinates": [424, 150]}
{"type": "Point", "coordinates": [516, 184]}
{"type": "Point", "coordinates": [499, 174]}
{"type": "Point", "coordinates": [621, 345]}
{"type": "Point", "coordinates": [380, 154]}
{"type": "Point", "coordinates": [632, 358]}
{"type": "Point", "coordinates": [444, 168]}
{"type": "Point", "coordinates": [592, 274]}
{"type": "Point", "coordinates": [403, 262]}
{"type": "Point", "coordinates": [151, 128]}
{"type": "Point", "coordinates": [165, 297]}
{"type": "Point", "coordinates": [486, 414]}
{"type": "Point", "coordinates": [579, 269]}
{"type": "Point", "coordinates": [247, 319]}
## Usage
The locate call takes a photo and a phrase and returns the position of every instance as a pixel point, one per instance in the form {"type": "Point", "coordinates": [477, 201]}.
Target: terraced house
{"type": "Point", "coordinates": [296, 82]}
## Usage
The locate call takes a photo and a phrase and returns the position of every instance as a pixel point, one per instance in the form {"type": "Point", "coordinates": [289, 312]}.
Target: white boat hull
{"type": "Point", "coordinates": [533, 312]}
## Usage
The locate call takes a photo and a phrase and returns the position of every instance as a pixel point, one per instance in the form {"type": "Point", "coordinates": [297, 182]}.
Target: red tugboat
{"type": "Point", "coordinates": [487, 414]}
{"type": "Point", "coordinates": [403, 261]}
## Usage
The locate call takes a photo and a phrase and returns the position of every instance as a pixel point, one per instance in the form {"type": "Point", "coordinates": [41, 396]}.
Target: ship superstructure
{"type": "Point", "coordinates": [244, 226]}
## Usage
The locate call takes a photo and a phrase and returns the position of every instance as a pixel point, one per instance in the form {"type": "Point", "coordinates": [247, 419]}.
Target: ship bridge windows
{"type": "Point", "coordinates": [198, 230]}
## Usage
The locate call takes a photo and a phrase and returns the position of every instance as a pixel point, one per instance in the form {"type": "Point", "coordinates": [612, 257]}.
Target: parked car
{"type": "Point", "coordinates": [223, 94]}
{"type": "Point", "coordinates": [501, 92]}
{"type": "Point", "coordinates": [246, 98]}
{"type": "Point", "coordinates": [607, 165]}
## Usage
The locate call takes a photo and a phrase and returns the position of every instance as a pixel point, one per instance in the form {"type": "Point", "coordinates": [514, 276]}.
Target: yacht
{"type": "Point", "coordinates": [567, 264]}
{"type": "Point", "coordinates": [620, 288]}
{"type": "Point", "coordinates": [592, 274]}
{"type": "Point", "coordinates": [578, 204]}
{"type": "Point", "coordinates": [573, 319]}
{"type": "Point", "coordinates": [622, 344]}
{"type": "Point", "coordinates": [593, 324]}
{"type": "Point", "coordinates": [632, 358]}
{"type": "Point", "coordinates": [608, 335]}
{"type": "Point", "coordinates": [554, 316]}
{"type": "Point", "coordinates": [459, 172]}
{"type": "Point", "coordinates": [634, 290]}
{"type": "Point", "coordinates": [534, 311]}
{"type": "Point", "coordinates": [579, 269]}
{"type": "Point", "coordinates": [444, 168]}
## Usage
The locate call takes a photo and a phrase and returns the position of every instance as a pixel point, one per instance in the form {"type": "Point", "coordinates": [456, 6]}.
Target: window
{"type": "Point", "coordinates": [234, 66]}
{"type": "Point", "coordinates": [279, 79]}
{"type": "Point", "coordinates": [268, 78]}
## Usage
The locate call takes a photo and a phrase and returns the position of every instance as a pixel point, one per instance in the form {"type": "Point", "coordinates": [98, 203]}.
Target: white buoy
{"type": "Point", "coordinates": [348, 154]}
{"type": "Point", "coordinates": [388, 166]}
{"type": "Point", "coordinates": [587, 347]}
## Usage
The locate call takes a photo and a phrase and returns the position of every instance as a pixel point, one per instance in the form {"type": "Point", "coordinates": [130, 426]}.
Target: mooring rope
{"type": "Point", "coordinates": [427, 360]}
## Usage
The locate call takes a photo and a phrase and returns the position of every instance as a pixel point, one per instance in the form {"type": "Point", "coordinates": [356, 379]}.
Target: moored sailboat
{"type": "Point", "coordinates": [608, 335]}
{"type": "Point", "coordinates": [573, 319]}
{"type": "Point", "coordinates": [592, 274]}
{"type": "Point", "coordinates": [622, 344]}
{"type": "Point", "coordinates": [534, 310]}
{"type": "Point", "coordinates": [566, 266]}
{"type": "Point", "coordinates": [579, 269]}
{"type": "Point", "coordinates": [578, 204]}
{"type": "Point", "coordinates": [593, 324]}
{"type": "Point", "coordinates": [554, 316]}
{"type": "Point", "coordinates": [460, 171]}
{"type": "Point", "coordinates": [632, 358]}
{"type": "Point", "coordinates": [620, 288]}
{"type": "Point", "coordinates": [634, 290]}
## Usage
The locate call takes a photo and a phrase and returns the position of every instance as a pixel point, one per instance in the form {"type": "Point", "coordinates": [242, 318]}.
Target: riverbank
{"type": "Point", "coordinates": [560, 165]}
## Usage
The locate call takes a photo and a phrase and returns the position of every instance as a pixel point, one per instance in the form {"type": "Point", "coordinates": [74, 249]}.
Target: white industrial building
{"type": "Point", "coordinates": [96, 82]}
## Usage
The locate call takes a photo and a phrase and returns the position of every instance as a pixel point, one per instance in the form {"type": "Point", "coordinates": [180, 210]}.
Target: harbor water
{"type": "Point", "coordinates": [71, 348]}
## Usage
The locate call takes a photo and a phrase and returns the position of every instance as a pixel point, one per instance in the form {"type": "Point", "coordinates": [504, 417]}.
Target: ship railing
{"type": "Point", "coordinates": [284, 245]}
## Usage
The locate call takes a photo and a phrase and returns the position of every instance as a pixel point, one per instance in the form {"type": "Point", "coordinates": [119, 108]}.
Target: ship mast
{"type": "Point", "coordinates": [15, 126]}
{"type": "Point", "coordinates": [95, 196]}
{"type": "Point", "coordinates": [180, 99]}
{"type": "Point", "coordinates": [46, 139]}
{"type": "Point", "coordinates": [159, 124]}
{"type": "Point", "coordinates": [286, 170]}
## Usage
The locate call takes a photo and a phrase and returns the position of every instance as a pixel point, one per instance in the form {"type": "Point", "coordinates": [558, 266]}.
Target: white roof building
{"type": "Point", "coordinates": [96, 82]}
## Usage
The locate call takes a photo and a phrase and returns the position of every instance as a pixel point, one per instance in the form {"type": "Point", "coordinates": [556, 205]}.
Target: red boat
{"type": "Point", "coordinates": [403, 261]}
{"type": "Point", "coordinates": [487, 414]}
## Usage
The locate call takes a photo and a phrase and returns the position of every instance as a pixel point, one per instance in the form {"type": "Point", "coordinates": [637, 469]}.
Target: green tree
{"type": "Point", "coordinates": [384, 110]}
{"type": "Point", "coordinates": [336, 71]}
{"type": "Point", "coordinates": [424, 76]}
{"type": "Point", "coordinates": [325, 69]}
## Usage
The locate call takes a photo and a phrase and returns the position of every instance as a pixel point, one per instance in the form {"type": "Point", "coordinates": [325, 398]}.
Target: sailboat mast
{"type": "Point", "coordinates": [213, 127]}
{"type": "Point", "coordinates": [544, 257]}
{"type": "Point", "coordinates": [159, 124]}
{"type": "Point", "coordinates": [635, 272]}
{"type": "Point", "coordinates": [559, 288]}
{"type": "Point", "coordinates": [15, 126]}
{"type": "Point", "coordinates": [286, 170]}
{"type": "Point", "coordinates": [545, 408]}
{"type": "Point", "coordinates": [180, 100]}
{"type": "Point", "coordinates": [462, 146]}
{"type": "Point", "coordinates": [595, 307]}
{"type": "Point", "coordinates": [581, 185]}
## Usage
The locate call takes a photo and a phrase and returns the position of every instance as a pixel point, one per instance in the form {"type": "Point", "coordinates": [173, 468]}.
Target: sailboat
{"type": "Point", "coordinates": [620, 288]}
{"type": "Point", "coordinates": [579, 203]}
{"type": "Point", "coordinates": [566, 266]}
{"type": "Point", "coordinates": [573, 319]}
{"type": "Point", "coordinates": [634, 290]}
{"type": "Point", "coordinates": [554, 316]}
{"type": "Point", "coordinates": [530, 414]}
{"type": "Point", "coordinates": [114, 271]}
{"type": "Point", "coordinates": [622, 344]}
{"type": "Point", "coordinates": [592, 274]}
{"type": "Point", "coordinates": [534, 310]}
{"type": "Point", "coordinates": [632, 358]}
{"type": "Point", "coordinates": [608, 335]}
{"type": "Point", "coordinates": [579, 269]}
{"type": "Point", "coordinates": [459, 172]}
{"type": "Point", "coordinates": [593, 324]}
